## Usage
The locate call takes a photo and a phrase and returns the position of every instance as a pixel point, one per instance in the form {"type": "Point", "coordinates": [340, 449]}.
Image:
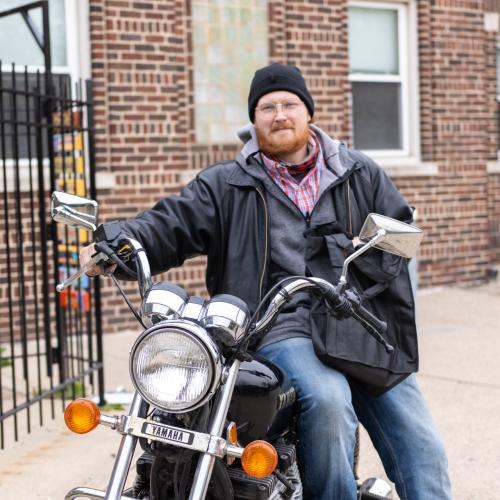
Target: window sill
{"type": "Point", "coordinates": [104, 180]}
{"type": "Point", "coordinates": [24, 167]}
{"type": "Point", "coordinates": [493, 167]}
{"type": "Point", "coordinates": [407, 167]}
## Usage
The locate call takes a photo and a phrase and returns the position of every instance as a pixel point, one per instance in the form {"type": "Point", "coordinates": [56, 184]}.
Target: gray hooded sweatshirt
{"type": "Point", "coordinates": [287, 225]}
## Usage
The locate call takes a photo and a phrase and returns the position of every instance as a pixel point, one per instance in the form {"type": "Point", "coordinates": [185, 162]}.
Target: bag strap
{"type": "Point", "coordinates": [348, 203]}
{"type": "Point", "coordinates": [374, 290]}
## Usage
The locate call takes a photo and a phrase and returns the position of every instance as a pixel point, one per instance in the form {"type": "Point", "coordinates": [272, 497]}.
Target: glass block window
{"type": "Point", "coordinates": [230, 41]}
{"type": "Point", "coordinates": [378, 48]}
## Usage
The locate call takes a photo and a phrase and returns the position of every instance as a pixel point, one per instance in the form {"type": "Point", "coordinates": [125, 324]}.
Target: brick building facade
{"type": "Point", "coordinates": [144, 71]}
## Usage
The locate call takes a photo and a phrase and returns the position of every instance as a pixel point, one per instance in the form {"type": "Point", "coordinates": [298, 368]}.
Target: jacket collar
{"type": "Point", "coordinates": [336, 154]}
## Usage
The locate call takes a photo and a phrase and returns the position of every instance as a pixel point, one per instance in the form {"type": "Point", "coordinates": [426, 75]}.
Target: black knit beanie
{"type": "Point", "coordinates": [278, 77]}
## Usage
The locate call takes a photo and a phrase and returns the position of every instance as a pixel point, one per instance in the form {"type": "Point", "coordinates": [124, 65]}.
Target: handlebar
{"type": "Point", "coordinates": [106, 254]}
{"type": "Point", "coordinates": [366, 316]}
{"type": "Point", "coordinates": [375, 327]}
{"type": "Point", "coordinates": [344, 304]}
{"type": "Point", "coordinates": [144, 271]}
{"type": "Point", "coordinates": [277, 302]}
{"type": "Point", "coordinates": [98, 258]}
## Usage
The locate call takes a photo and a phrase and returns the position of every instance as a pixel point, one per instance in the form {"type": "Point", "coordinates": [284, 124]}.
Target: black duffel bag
{"type": "Point", "coordinates": [383, 281]}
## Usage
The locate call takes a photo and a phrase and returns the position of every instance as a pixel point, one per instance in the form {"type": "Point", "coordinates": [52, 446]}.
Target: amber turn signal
{"type": "Point", "coordinates": [81, 416]}
{"type": "Point", "coordinates": [232, 434]}
{"type": "Point", "coordinates": [259, 459]}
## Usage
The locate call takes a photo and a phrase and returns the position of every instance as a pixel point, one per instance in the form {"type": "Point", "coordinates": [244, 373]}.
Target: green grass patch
{"type": "Point", "coordinates": [78, 391]}
{"type": "Point", "coordinates": [76, 388]}
{"type": "Point", "coordinates": [112, 407]}
{"type": "Point", "coordinates": [4, 361]}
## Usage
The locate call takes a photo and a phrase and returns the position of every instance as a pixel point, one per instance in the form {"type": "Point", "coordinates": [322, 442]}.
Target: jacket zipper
{"type": "Point", "coordinates": [308, 215]}
{"type": "Point", "coordinates": [266, 244]}
{"type": "Point", "coordinates": [329, 188]}
{"type": "Point", "coordinates": [308, 219]}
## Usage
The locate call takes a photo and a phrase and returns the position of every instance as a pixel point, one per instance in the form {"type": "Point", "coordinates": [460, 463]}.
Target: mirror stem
{"type": "Point", "coordinates": [378, 236]}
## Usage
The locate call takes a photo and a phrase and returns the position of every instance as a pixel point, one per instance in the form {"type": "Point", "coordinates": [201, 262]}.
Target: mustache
{"type": "Point", "coordinates": [281, 127]}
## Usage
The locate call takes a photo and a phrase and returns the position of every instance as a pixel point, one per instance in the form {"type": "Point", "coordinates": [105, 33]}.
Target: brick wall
{"type": "Point", "coordinates": [315, 35]}
{"type": "Point", "coordinates": [492, 6]}
{"type": "Point", "coordinates": [455, 113]}
{"type": "Point", "coordinates": [144, 106]}
{"type": "Point", "coordinates": [494, 216]}
{"type": "Point", "coordinates": [493, 135]}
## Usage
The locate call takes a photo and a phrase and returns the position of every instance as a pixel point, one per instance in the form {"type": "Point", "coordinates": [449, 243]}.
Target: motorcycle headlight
{"type": "Point", "coordinates": [175, 366]}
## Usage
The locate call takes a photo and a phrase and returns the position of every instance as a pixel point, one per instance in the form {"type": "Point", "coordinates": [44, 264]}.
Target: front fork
{"type": "Point", "coordinates": [206, 461]}
{"type": "Point", "coordinates": [121, 466]}
{"type": "Point", "coordinates": [123, 457]}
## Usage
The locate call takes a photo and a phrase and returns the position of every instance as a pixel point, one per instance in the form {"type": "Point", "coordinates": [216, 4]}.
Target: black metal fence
{"type": "Point", "coordinates": [50, 344]}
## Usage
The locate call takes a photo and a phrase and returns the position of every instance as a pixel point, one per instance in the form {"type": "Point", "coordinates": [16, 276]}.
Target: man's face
{"type": "Point", "coordinates": [284, 129]}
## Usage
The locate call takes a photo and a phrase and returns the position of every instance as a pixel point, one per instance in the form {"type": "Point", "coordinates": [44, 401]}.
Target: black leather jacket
{"type": "Point", "coordinates": [223, 214]}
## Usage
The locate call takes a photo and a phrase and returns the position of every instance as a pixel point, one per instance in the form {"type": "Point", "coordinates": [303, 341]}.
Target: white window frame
{"type": "Point", "coordinates": [78, 67]}
{"type": "Point", "coordinates": [494, 166]}
{"type": "Point", "coordinates": [409, 154]}
{"type": "Point", "coordinates": [77, 44]}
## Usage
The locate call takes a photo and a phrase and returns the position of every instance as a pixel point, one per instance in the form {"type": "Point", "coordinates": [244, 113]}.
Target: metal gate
{"type": "Point", "coordinates": [50, 344]}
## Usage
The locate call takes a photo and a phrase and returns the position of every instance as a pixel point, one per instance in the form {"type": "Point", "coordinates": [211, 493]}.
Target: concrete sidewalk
{"type": "Point", "coordinates": [459, 375]}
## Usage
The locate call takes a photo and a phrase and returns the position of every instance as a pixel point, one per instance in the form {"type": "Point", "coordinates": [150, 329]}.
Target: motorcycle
{"type": "Point", "coordinates": [214, 419]}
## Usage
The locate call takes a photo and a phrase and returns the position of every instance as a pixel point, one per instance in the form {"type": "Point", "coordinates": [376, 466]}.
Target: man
{"type": "Point", "coordinates": [249, 216]}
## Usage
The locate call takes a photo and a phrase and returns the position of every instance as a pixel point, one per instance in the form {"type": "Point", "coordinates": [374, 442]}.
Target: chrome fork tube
{"type": "Point", "coordinates": [206, 462]}
{"type": "Point", "coordinates": [123, 457]}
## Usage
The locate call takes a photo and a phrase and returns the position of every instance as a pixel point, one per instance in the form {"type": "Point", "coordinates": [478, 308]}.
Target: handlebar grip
{"type": "Point", "coordinates": [375, 327]}
{"type": "Point", "coordinates": [103, 247]}
{"type": "Point", "coordinates": [366, 316]}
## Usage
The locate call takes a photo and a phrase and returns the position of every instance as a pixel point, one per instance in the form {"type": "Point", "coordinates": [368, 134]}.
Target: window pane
{"type": "Point", "coordinates": [19, 110]}
{"type": "Point", "coordinates": [376, 115]}
{"type": "Point", "coordinates": [373, 41]}
{"type": "Point", "coordinates": [17, 44]}
{"type": "Point", "coordinates": [229, 44]}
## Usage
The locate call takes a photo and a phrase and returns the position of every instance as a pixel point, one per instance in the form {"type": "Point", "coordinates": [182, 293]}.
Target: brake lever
{"type": "Point", "coordinates": [95, 259]}
{"type": "Point", "coordinates": [371, 323]}
{"type": "Point", "coordinates": [373, 332]}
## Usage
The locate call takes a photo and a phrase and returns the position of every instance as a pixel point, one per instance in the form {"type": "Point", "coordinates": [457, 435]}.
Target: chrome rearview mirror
{"type": "Point", "coordinates": [74, 211]}
{"type": "Point", "coordinates": [399, 238]}
{"type": "Point", "coordinates": [389, 235]}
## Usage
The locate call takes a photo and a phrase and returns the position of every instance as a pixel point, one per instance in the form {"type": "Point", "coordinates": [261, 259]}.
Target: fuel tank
{"type": "Point", "coordinates": [263, 401]}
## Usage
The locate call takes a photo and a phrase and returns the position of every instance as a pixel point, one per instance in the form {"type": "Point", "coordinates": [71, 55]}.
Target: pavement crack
{"type": "Point", "coordinates": [460, 381]}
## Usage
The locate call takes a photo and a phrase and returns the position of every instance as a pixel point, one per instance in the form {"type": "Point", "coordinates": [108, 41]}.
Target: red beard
{"type": "Point", "coordinates": [270, 144]}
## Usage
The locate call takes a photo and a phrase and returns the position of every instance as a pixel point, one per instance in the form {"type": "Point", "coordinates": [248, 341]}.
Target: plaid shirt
{"type": "Point", "coordinates": [303, 193]}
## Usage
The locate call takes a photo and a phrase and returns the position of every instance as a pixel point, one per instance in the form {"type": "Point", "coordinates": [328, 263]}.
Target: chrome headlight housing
{"type": "Point", "coordinates": [226, 318]}
{"type": "Point", "coordinates": [161, 302]}
{"type": "Point", "coordinates": [175, 366]}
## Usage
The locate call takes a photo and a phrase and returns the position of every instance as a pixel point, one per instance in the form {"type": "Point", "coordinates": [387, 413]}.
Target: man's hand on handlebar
{"type": "Point", "coordinates": [86, 253]}
{"type": "Point", "coordinates": [356, 242]}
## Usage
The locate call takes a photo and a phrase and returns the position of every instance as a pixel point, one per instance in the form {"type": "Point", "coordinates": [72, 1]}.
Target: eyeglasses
{"type": "Point", "coordinates": [271, 108]}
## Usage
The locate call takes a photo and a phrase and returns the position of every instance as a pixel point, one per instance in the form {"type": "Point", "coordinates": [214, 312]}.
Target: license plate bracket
{"type": "Point", "coordinates": [168, 433]}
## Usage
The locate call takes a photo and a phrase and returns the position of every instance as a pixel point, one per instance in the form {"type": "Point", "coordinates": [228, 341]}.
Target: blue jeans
{"type": "Point", "coordinates": [398, 422]}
